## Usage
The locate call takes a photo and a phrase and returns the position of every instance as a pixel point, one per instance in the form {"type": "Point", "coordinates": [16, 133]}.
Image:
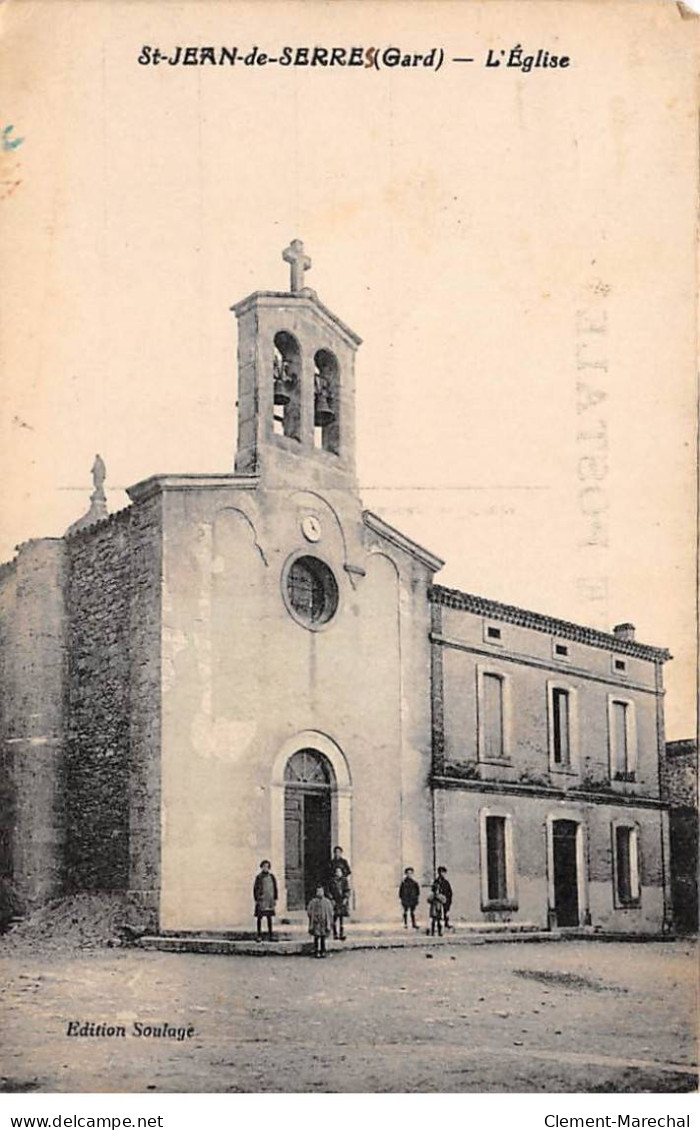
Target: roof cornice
{"type": "Point", "coordinates": [160, 484]}
{"type": "Point", "coordinates": [306, 298]}
{"type": "Point", "coordinates": [467, 602]}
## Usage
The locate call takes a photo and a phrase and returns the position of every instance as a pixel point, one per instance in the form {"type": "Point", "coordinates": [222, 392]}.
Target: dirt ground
{"type": "Point", "coordinates": [567, 1016]}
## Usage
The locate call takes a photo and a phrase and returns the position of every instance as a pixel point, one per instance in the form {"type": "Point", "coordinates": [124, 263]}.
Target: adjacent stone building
{"type": "Point", "coordinates": [679, 789]}
{"type": "Point", "coordinates": [249, 665]}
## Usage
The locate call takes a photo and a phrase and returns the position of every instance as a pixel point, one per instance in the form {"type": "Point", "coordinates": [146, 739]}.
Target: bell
{"type": "Point", "coordinates": [280, 394]}
{"type": "Point", "coordinates": [323, 413]}
{"type": "Point", "coordinates": [282, 381]}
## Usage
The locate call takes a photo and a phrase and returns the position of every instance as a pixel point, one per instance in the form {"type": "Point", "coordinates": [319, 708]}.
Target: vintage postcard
{"type": "Point", "coordinates": [348, 596]}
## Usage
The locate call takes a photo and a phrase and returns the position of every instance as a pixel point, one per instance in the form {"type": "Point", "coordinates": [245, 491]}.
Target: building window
{"type": "Point", "coordinates": [311, 591]}
{"type": "Point", "coordinates": [560, 650]}
{"type": "Point", "coordinates": [497, 861]}
{"type": "Point", "coordinates": [492, 634]}
{"type": "Point", "coordinates": [492, 729]}
{"type": "Point", "coordinates": [561, 745]}
{"type": "Point", "coordinates": [622, 739]}
{"type": "Point", "coordinates": [561, 711]}
{"type": "Point", "coordinates": [619, 666]}
{"type": "Point", "coordinates": [626, 865]}
{"type": "Point", "coordinates": [496, 858]}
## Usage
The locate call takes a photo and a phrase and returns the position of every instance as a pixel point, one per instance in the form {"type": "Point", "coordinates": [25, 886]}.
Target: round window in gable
{"type": "Point", "coordinates": [310, 591]}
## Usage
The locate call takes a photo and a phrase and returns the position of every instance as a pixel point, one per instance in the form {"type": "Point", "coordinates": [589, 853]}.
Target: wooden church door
{"type": "Point", "coordinates": [307, 825]}
{"type": "Point", "coordinates": [294, 847]}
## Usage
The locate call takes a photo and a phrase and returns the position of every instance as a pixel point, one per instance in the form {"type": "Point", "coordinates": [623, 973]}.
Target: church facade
{"type": "Point", "coordinates": [249, 665]}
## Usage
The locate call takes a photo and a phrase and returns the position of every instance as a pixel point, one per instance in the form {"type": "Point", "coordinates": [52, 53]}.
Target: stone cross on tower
{"type": "Point", "coordinates": [299, 262]}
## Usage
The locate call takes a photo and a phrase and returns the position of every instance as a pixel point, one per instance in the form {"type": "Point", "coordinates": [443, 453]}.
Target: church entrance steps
{"type": "Point", "coordinates": [292, 940]}
{"type": "Point", "coordinates": [290, 929]}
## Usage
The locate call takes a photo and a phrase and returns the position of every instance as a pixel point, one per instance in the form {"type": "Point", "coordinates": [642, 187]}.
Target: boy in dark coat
{"type": "Point", "coordinates": [409, 895]}
{"type": "Point", "coordinates": [339, 894]}
{"type": "Point", "coordinates": [265, 896]}
{"type": "Point", "coordinates": [339, 861]}
{"type": "Point", "coordinates": [320, 912]}
{"type": "Point", "coordinates": [443, 886]}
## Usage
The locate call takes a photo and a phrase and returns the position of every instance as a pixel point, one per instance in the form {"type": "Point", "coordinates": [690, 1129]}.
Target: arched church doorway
{"type": "Point", "coordinates": [309, 784]}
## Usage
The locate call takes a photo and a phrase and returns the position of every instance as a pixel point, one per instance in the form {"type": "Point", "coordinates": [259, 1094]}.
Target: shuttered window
{"type": "Point", "coordinates": [619, 713]}
{"type": "Point", "coordinates": [497, 861]}
{"type": "Point", "coordinates": [492, 698]}
{"type": "Point", "coordinates": [626, 865]}
{"type": "Point", "coordinates": [561, 727]}
{"type": "Point", "coordinates": [622, 753]}
{"type": "Point", "coordinates": [497, 877]}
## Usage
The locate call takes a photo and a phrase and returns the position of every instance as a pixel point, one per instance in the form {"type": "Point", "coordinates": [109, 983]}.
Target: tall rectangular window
{"type": "Point", "coordinates": [497, 856]}
{"type": "Point", "coordinates": [496, 866]}
{"type": "Point", "coordinates": [619, 711]}
{"type": "Point", "coordinates": [621, 747]}
{"type": "Point", "coordinates": [561, 741]}
{"type": "Point", "coordinates": [626, 865]}
{"type": "Point", "coordinates": [562, 726]}
{"type": "Point", "coordinates": [492, 722]}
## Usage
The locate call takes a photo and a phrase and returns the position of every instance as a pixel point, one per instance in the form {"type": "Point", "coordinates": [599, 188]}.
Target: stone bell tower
{"type": "Point", "coordinates": [296, 386]}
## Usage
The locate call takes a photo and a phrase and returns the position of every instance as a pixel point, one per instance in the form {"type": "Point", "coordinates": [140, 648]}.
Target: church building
{"type": "Point", "coordinates": [251, 666]}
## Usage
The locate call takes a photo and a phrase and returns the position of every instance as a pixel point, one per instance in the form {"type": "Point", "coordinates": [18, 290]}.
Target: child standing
{"type": "Point", "coordinates": [339, 894]}
{"type": "Point", "coordinates": [320, 912]}
{"type": "Point", "coordinates": [265, 896]}
{"type": "Point", "coordinates": [443, 885]}
{"type": "Point", "coordinates": [409, 895]}
{"type": "Point", "coordinates": [437, 905]}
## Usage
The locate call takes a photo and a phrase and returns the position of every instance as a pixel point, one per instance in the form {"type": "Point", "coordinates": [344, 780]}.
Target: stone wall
{"type": "Point", "coordinates": [9, 901]}
{"type": "Point", "coordinates": [679, 788]}
{"type": "Point", "coordinates": [32, 690]}
{"type": "Point", "coordinates": [145, 706]}
{"type": "Point", "coordinates": [679, 774]}
{"type": "Point", "coordinates": [97, 762]}
{"type": "Point", "coordinates": [80, 713]}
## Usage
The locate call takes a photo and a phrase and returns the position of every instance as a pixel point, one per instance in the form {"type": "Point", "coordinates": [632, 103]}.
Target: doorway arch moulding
{"type": "Point", "coordinates": [341, 800]}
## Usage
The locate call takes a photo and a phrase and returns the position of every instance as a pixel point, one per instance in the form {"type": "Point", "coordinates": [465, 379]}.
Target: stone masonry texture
{"type": "Point", "coordinates": [98, 741]}
{"type": "Point", "coordinates": [145, 709]}
{"type": "Point", "coordinates": [32, 691]}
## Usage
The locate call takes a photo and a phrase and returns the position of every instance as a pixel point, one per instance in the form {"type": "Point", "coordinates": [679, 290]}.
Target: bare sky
{"type": "Point", "coordinates": [516, 250]}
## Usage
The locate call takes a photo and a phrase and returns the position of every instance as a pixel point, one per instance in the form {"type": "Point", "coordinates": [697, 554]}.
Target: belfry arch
{"type": "Point", "coordinates": [286, 398]}
{"type": "Point", "coordinates": [326, 401]}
